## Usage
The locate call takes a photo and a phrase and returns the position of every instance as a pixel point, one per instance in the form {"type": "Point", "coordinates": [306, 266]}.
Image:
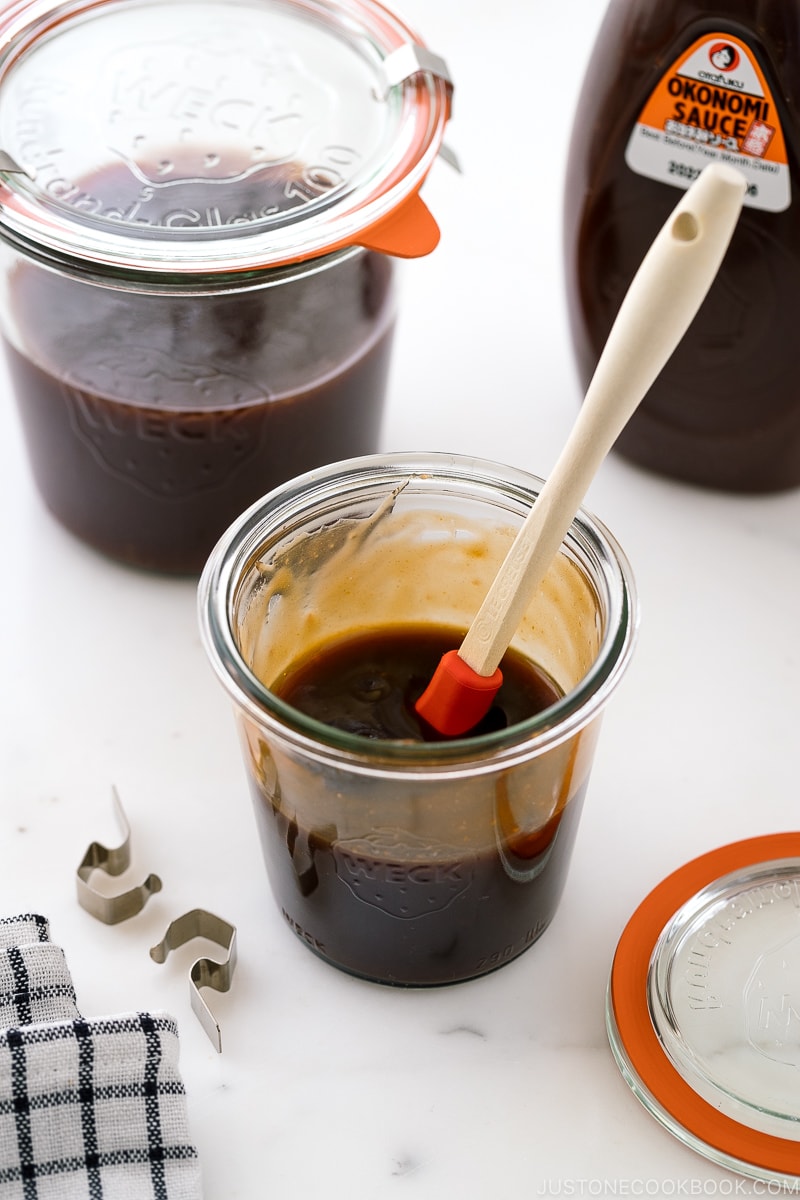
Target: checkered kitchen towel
{"type": "Point", "coordinates": [89, 1110]}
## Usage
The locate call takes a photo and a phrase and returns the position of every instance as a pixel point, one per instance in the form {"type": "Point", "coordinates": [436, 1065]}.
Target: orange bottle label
{"type": "Point", "coordinates": [713, 104]}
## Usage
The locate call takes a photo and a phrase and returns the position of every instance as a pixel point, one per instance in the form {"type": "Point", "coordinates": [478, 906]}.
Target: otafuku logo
{"type": "Point", "coordinates": [724, 57]}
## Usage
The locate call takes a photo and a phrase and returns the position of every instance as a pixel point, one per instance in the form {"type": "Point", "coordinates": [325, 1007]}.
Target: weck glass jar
{"type": "Point", "coordinates": [200, 203]}
{"type": "Point", "coordinates": [405, 862]}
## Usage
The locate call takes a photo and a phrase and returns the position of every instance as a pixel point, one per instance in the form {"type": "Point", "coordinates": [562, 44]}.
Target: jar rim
{"type": "Point", "coordinates": [588, 539]}
{"type": "Point", "coordinates": [196, 196]}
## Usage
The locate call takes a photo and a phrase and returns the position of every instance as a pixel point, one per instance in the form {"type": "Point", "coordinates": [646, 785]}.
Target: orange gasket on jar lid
{"type": "Point", "coordinates": [252, 179]}
{"type": "Point", "coordinates": [640, 1051]}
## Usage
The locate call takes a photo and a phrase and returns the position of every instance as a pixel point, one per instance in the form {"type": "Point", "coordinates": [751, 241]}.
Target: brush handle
{"type": "Point", "coordinates": [658, 308]}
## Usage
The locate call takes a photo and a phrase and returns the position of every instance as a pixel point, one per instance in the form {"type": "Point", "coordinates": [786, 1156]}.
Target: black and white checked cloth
{"type": "Point", "coordinates": [89, 1110]}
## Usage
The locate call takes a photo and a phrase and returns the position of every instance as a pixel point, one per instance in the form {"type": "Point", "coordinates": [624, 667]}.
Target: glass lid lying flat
{"type": "Point", "coordinates": [231, 133]}
{"type": "Point", "coordinates": [703, 1006]}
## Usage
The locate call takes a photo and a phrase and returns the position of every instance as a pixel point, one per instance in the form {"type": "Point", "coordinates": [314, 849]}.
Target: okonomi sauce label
{"type": "Point", "coordinates": [713, 104]}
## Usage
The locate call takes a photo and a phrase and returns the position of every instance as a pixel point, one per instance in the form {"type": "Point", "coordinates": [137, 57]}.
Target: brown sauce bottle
{"type": "Point", "coordinates": [669, 88]}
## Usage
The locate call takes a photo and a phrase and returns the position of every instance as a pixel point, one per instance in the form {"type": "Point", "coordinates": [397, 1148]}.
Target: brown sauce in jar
{"type": "Point", "coordinates": [394, 903]}
{"type": "Point", "coordinates": [368, 684]}
{"type": "Point", "coordinates": [725, 411]}
{"type": "Point", "coordinates": [152, 421]}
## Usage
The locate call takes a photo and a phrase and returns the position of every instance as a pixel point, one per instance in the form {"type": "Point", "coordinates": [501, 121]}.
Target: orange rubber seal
{"type": "Point", "coordinates": [628, 992]}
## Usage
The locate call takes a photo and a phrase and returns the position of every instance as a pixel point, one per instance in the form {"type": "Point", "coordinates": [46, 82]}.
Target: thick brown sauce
{"type": "Point", "coordinates": [368, 684]}
{"type": "Point", "coordinates": [383, 896]}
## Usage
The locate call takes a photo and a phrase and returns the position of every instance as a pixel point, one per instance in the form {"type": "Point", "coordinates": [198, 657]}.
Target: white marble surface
{"type": "Point", "coordinates": [328, 1086]}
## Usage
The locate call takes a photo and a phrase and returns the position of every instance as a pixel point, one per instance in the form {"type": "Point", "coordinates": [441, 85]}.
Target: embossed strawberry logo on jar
{"type": "Point", "coordinates": [405, 876]}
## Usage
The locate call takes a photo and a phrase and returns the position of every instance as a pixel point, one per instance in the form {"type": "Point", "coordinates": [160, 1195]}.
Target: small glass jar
{"type": "Point", "coordinates": [411, 863]}
{"type": "Point", "coordinates": [199, 208]}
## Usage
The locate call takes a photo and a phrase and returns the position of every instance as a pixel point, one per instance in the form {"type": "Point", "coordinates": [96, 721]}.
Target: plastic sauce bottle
{"type": "Point", "coordinates": [671, 86]}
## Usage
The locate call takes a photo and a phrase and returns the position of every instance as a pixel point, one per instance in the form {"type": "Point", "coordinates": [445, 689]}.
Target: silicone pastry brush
{"type": "Point", "coordinates": [658, 308]}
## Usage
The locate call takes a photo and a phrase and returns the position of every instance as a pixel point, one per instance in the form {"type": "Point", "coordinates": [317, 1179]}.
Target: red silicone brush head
{"type": "Point", "coordinates": [457, 698]}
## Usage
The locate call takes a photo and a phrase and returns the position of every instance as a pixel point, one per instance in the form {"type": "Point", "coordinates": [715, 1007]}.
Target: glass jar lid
{"type": "Point", "coordinates": [703, 1007]}
{"type": "Point", "coordinates": [197, 136]}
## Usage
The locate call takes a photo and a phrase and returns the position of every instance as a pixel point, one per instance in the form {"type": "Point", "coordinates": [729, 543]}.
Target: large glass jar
{"type": "Point", "coordinates": [199, 208]}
